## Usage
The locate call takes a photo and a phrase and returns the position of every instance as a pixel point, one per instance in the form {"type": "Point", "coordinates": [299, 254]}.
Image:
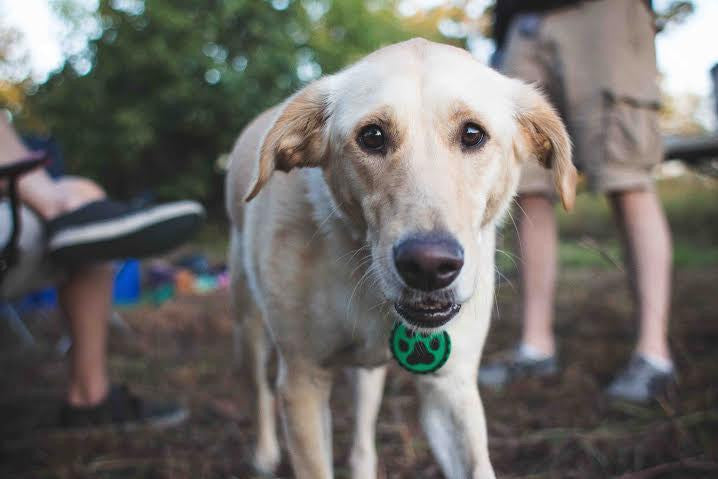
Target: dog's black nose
{"type": "Point", "coordinates": [428, 262]}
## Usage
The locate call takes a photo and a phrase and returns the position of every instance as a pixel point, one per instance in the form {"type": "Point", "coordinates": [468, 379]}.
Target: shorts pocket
{"type": "Point", "coordinates": [632, 134]}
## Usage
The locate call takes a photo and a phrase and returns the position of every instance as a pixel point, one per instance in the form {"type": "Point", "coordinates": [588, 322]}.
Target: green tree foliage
{"type": "Point", "coordinates": [167, 85]}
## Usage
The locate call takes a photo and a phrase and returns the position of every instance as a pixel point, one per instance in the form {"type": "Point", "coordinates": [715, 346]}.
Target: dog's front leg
{"type": "Point", "coordinates": [304, 396]}
{"type": "Point", "coordinates": [369, 384]}
{"type": "Point", "coordinates": [453, 418]}
{"type": "Point", "coordinates": [267, 453]}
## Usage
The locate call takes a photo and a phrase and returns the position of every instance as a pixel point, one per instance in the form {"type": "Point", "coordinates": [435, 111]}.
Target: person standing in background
{"type": "Point", "coordinates": [596, 61]}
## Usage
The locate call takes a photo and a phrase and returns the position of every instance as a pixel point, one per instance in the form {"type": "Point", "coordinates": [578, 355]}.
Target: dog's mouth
{"type": "Point", "coordinates": [429, 315]}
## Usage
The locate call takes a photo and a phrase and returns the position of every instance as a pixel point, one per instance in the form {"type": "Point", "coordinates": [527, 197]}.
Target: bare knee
{"type": "Point", "coordinates": [78, 191]}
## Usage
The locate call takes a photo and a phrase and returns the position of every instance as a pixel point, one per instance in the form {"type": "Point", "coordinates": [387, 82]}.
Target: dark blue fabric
{"type": "Point", "coordinates": [56, 165]}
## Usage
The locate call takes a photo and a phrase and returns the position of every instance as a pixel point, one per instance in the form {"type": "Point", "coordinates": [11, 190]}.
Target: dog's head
{"type": "Point", "coordinates": [421, 148]}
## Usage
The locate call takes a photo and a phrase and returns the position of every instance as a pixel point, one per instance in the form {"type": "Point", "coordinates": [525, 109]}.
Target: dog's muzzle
{"type": "Point", "coordinates": [427, 317]}
{"type": "Point", "coordinates": [428, 263]}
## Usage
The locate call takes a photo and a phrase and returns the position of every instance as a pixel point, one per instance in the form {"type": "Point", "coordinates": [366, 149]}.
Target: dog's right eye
{"type": "Point", "coordinates": [372, 138]}
{"type": "Point", "coordinates": [472, 135]}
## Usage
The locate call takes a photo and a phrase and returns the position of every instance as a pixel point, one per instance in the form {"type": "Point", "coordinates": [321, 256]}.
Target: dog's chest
{"type": "Point", "coordinates": [350, 330]}
{"type": "Point", "coordinates": [364, 343]}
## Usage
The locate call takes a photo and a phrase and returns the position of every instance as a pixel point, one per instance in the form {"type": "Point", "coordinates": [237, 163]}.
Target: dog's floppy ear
{"type": "Point", "coordinates": [544, 138]}
{"type": "Point", "coordinates": [295, 138]}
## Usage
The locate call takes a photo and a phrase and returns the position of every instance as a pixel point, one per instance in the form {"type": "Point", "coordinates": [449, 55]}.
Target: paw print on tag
{"type": "Point", "coordinates": [419, 353]}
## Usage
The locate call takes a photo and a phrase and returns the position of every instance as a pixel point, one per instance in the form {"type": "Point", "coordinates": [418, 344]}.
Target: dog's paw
{"type": "Point", "coordinates": [363, 461]}
{"type": "Point", "coordinates": [266, 460]}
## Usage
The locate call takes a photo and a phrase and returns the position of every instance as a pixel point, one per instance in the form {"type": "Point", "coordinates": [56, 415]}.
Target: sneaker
{"type": "Point", "coordinates": [498, 373]}
{"type": "Point", "coordinates": [123, 410]}
{"type": "Point", "coordinates": [106, 230]}
{"type": "Point", "coordinates": [641, 381]}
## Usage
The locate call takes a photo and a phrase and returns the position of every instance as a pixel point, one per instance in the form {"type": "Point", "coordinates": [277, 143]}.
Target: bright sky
{"type": "Point", "coordinates": [40, 29]}
{"type": "Point", "coordinates": [685, 52]}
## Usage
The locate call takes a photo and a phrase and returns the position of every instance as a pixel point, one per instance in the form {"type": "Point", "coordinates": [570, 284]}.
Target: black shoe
{"type": "Point", "coordinates": [498, 373]}
{"type": "Point", "coordinates": [641, 382]}
{"type": "Point", "coordinates": [106, 230]}
{"type": "Point", "coordinates": [123, 410]}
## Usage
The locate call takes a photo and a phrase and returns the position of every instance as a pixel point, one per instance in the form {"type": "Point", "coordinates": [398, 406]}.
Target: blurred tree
{"type": "Point", "coordinates": [166, 86]}
{"type": "Point", "coordinates": [13, 61]}
{"type": "Point", "coordinates": [470, 19]}
{"type": "Point", "coordinates": [680, 115]}
{"type": "Point", "coordinates": [11, 57]}
{"type": "Point", "coordinates": [675, 12]}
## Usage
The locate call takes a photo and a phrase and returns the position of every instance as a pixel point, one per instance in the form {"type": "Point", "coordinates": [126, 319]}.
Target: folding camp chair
{"type": "Point", "coordinates": [10, 234]}
{"type": "Point", "coordinates": [11, 173]}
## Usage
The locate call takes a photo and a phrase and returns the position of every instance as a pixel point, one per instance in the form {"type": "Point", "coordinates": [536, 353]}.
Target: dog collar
{"type": "Point", "coordinates": [419, 353]}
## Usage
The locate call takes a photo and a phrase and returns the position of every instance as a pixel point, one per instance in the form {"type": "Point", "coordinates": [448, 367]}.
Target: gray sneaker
{"type": "Point", "coordinates": [123, 410]}
{"type": "Point", "coordinates": [498, 373]}
{"type": "Point", "coordinates": [641, 382]}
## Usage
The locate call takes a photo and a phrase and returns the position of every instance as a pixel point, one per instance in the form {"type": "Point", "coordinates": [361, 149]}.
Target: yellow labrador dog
{"type": "Point", "coordinates": [368, 198]}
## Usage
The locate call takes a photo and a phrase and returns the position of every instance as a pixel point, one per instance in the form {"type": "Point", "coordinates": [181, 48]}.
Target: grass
{"type": "Point", "coordinates": [690, 202]}
{"type": "Point", "coordinates": [213, 240]}
{"type": "Point", "coordinates": [589, 237]}
{"type": "Point", "coordinates": [561, 427]}
{"type": "Point", "coordinates": [588, 234]}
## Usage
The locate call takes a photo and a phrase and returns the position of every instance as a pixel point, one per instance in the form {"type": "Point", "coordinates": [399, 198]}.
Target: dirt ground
{"type": "Point", "coordinates": [560, 428]}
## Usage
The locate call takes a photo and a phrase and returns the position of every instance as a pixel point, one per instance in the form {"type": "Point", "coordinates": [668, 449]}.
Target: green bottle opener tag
{"type": "Point", "coordinates": [419, 353]}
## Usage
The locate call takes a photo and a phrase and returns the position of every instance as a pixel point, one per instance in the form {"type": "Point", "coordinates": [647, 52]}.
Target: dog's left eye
{"type": "Point", "coordinates": [372, 138]}
{"type": "Point", "coordinates": [472, 135]}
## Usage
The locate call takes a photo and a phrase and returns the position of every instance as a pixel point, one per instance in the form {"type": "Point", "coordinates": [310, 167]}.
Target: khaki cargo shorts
{"type": "Point", "coordinates": [33, 269]}
{"type": "Point", "coordinates": [597, 63]}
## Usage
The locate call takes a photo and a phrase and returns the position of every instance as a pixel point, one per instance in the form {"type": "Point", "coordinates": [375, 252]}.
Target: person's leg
{"type": "Point", "coordinates": [648, 249]}
{"type": "Point", "coordinates": [537, 238]}
{"type": "Point", "coordinates": [78, 191]}
{"type": "Point", "coordinates": [91, 401]}
{"type": "Point", "coordinates": [538, 252]}
{"type": "Point", "coordinates": [85, 300]}
{"type": "Point", "coordinates": [36, 188]}
{"type": "Point", "coordinates": [526, 57]}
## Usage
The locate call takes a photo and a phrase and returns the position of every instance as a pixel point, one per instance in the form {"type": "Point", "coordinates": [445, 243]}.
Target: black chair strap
{"type": "Point", "coordinates": [8, 255]}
